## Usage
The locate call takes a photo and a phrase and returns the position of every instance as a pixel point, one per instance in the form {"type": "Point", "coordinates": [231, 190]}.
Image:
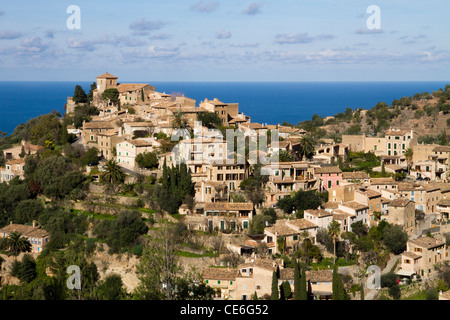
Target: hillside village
{"type": "Point", "coordinates": [325, 205]}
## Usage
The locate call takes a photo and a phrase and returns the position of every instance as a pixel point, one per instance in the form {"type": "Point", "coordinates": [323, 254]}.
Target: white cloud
{"type": "Point", "coordinates": [9, 35]}
{"type": "Point", "coordinates": [205, 7]}
{"type": "Point", "coordinates": [369, 31]}
{"type": "Point", "coordinates": [300, 38]}
{"type": "Point", "coordinates": [253, 8]}
{"type": "Point", "coordinates": [143, 26]}
{"type": "Point", "coordinates": [223, 34]}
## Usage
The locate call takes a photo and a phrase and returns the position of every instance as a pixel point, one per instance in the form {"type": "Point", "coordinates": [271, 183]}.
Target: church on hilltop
{"type": "Point", "coordinates": [129, 93]}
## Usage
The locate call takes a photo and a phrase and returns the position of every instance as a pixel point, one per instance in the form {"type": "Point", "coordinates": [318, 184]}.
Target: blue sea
{"type": "Point", "coordinates": [264, 102]}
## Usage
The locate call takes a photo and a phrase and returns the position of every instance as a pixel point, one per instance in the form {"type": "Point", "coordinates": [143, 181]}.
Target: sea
{"type": "Point", "coordinates": [263, 102]}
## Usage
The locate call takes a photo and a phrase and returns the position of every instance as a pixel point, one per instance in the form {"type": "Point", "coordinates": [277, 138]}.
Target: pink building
{"type": "Point", "coordinates": [330, 177]}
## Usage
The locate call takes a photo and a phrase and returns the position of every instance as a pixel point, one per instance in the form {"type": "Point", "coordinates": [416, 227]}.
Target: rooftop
{"type": "Point", "coordinates": [427, 242]}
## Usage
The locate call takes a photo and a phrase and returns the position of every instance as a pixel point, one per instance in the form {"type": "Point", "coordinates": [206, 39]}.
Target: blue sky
{"type": "Point", "coordinates": [232, 40]}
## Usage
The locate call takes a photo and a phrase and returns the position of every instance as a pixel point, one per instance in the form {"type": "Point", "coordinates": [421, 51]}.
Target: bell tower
{"type": "Point", "coordinates": [106, 81]}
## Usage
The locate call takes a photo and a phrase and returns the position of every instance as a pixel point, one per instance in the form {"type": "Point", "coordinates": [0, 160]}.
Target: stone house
{"type": "Point", "coordinates": [222, 280]}
{"type": "Point", "coordinates": [329, 176]}
{"type": "Point", "coordinates": [37, 237]}
{"type": "Point", "coordinates": [90, 131]}
{"type": "Point", "coordinates": [126, 151]}
{"type": "Point", "coordinates": [291, 231]}
{"type": "Point", "coordinates": [378, 184]}
{"type": "Point", "coordinates": [254, 276]}
{"type": "Point", "coordinates": [421, 255]}
{"type": "Point", "coordinates": [287, 177]}
{"type": "Point", "coordinates": [358, 212]}
{"type": "Point", "coordinates": [221, 216]}
{"type": "Point", "coordinates": [107, 142]}
{"type": "Point", "coordinates": [319, 217]}
{"type": "Point", "coordinates": [398, 141]}
{"type": "Point", "coordinates": [359, 177]}
{"type": "Point", "coordinates": [225, 111]}
{"type": "Point", "coordinates": [402, 213]}
{"type": "Point", "coordinates": [27, 148]}
{"type": "Point", "coordinates": [425, 196]}
{"type": "Point", "coordinates": [12, 169]}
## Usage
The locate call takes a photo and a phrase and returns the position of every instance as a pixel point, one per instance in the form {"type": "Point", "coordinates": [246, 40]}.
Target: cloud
{"type": "Point", "coordinates": [127, 41]}
{"type": "Point", "coordinates": [421, 36]}
{"type": "Point", "coordinates": [50, 33]}
{"type": "Point", "coordinates": [9, 35]}
{"type": "Point", "coordinates": [32, 46]}
{"type": "Point", "coordinates": [116, 41]}
{"type": "Point", "coordinates": [300, 38]}
{"type": "Point", "coordinates": [253, 8]}
{"type": "Point", "coordinates": [205, 7]}
{"type": "Point", "coordinates": [244, 45]}
{"type": "Point", "coordinates": [82, 45]}
{"type": "Point", "coordinates": [143, 26]}
{"type": "Point", "coordinates": [369, 31]}
{"type": "Point", "coordinates": [2, 13]}
{"type": "Point", "coordinates": [223, 34]}
{"type": "Point", "coordinates": [162, 36]}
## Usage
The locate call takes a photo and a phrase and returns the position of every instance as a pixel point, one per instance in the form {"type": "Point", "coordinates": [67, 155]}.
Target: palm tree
{"type": "Point", "coordinates": [17, 244]}
{"type": "Point", "coordinates": [334, 229]}
{"type": "Point", "coordinates": [306, 146]}
{"type": "Point", "coordinates": [114, 173]}
{"type": "Point", "coordinates": [408, 156]}
{"type": "Point", "coordinates": [179, 120]}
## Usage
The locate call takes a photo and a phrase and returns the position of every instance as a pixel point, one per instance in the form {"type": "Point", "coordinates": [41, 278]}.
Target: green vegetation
{"type": "Point", "coordinates": [176, 188]}
{"type": "Point", "coordinates": [302, 200]}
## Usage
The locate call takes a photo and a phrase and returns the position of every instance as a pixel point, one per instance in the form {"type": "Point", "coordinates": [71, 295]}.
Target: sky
{"type": "Point", "coordinates": [225, 40]}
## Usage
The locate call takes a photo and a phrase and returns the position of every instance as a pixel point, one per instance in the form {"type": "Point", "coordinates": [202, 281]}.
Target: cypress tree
{"type": "Point", "coordinates": [274, 295]}
{"type": "Point", "coordinates": [361, 290]}
{"type": "Point", "coordinates": [338, 286]}
{"type": "Point", "coordinates": [310, 293]}
{"type": "Point", "coordinates": [303, 294]}
{"type": "Point", "coordinates": [296, 280]}
{"type": "Point", "coordinates": [79, 96]}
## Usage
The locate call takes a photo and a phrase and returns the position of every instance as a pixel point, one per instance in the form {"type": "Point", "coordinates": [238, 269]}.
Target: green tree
{"type": "Point", "coordinates": [114, 173]}
{"type": "Point", "coordinates": [303, 293]}
{"type": "Point", "coordinates": [157, 268]}
{"type": "Point", "coordinates": [209, 119]}
{"type": "Point", "coordinates": [285, 288]}
{"type": "Point", "coordinates": [111, 288]}
{"type": "Point", "coordinates": [148, 160]}
{"type": "Point", "coordinates": [17, 244]}
{"type": "Point", "coordinates": [297, 288]}
{"type": "Point", "coordinates": [179, 120]}
{"type": "Point", "coordinates": [307, 143]}
{"type": "Point", "coordinates": [395, 238]}
{"type": "Point", "coordinates": [111, 96]}
{"type": "Point", "coordinates": [79, 96]}
{"type": "Point", "coordinates": [338, 289]}
{"type": "Point", "coordinates": [28, 210]}
{"type": "Point", "coordinates": [90, 95]}
{"type": "Point", "coordinates": [274, 295]}
{"type": "Point", "coordinates": [334, 229]}
{"type": "Point", "coordinates": [408, 156]}
{"type": "Point", "coordinates": [24, 270]}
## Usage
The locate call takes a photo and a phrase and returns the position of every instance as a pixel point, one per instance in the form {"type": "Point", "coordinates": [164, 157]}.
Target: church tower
{"type": "Point", "coordinates": [106, 81]}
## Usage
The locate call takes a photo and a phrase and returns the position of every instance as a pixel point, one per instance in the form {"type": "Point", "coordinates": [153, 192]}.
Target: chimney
{"type": "Point", "coordinates": [34, 223]}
